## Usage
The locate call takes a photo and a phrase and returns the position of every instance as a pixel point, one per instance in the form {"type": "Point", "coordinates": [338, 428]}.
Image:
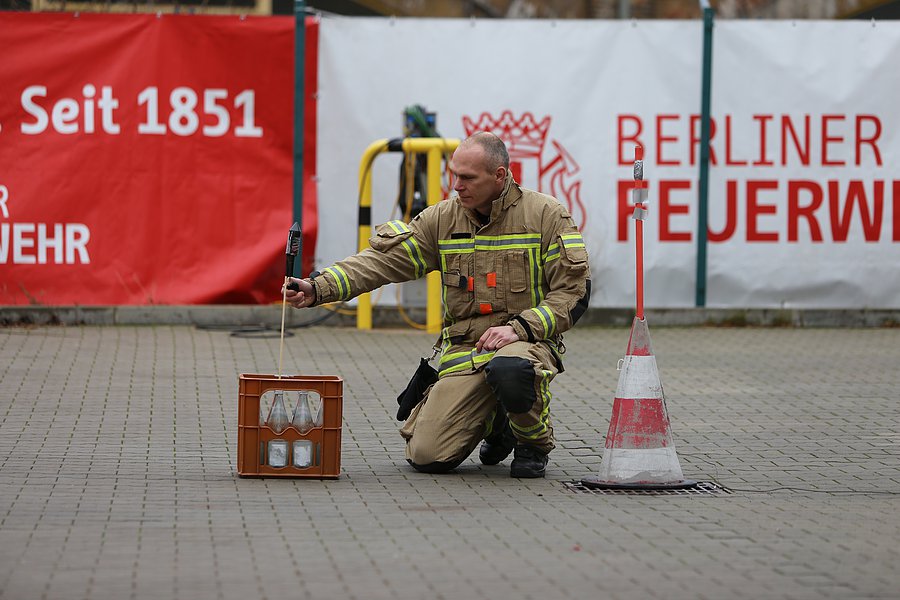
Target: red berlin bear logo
{"type": "Point", "coordinates": [526, 138]}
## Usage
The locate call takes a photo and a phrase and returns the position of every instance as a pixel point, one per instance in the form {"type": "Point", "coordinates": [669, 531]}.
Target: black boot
{"type": "Point", "coordinates": [500, 443]}
{"type": "Point", "coordinates": [528, 462]}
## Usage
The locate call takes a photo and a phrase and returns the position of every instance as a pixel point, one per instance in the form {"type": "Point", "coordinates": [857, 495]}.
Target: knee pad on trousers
{"type": "Point", "coordinates": [512, 380]}
{"type": "Point", "coordinates": [437, 466]}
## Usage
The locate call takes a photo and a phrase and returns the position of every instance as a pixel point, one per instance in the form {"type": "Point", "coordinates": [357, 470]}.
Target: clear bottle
{"type": "Point", "coordinates": [303, 454]}
{"type": "Point", "coordinates": [302, 416]}
{"type": "Point", "coordinates": [278, 452]}
{"type": "Point", "coordinates": [319, 417]}
{"type": "Point", "coordinates": [278, 419]}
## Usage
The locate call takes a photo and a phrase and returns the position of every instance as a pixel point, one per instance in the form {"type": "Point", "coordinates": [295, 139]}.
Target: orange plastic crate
{"type": "Point", "coordinates": [253, 436]}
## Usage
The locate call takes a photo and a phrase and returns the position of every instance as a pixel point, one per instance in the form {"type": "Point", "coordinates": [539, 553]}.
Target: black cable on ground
{"type": "Point", "coordinates": [263, 331]}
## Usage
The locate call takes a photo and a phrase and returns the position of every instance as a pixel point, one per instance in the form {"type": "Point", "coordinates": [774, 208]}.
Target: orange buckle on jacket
{"type": "Point", "coordinates": [485, 308]}
{"type": "Point", "coordinates": [470, 286]}
{"type": "Point", "coordinates": [492, 280]}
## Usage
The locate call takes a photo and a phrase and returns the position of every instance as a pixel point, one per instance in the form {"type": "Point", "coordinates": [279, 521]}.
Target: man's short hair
{"type": "Point", "coordinates": [495, 153]}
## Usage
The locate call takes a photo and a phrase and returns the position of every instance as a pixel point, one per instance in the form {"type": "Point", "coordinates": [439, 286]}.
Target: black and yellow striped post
{"type": "Point", "coordinates": [435, 149]}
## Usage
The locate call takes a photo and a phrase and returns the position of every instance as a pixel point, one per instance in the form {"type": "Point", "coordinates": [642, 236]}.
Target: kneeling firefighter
{"type": "Point", "coordinates": [515, 276]}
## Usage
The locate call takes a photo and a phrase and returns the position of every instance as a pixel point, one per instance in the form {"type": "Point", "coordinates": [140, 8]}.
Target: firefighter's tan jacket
{"type": "Point", "coordinates": [527, 267]}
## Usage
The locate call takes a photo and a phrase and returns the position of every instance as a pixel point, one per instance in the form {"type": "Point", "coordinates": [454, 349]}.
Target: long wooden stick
{"type": "Point", "coordinates": [283, 307]}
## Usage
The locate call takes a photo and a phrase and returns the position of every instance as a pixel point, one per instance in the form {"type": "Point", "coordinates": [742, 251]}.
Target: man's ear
{"type": "Point", "coordinates": [500, 174]}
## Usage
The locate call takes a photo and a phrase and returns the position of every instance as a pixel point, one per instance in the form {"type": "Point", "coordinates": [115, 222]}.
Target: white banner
{"type": "Point", "coordinates": [804, 189]}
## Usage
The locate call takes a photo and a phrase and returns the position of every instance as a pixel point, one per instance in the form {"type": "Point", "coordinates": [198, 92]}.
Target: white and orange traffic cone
{"type": "Point", "coordinates": [640, 450]}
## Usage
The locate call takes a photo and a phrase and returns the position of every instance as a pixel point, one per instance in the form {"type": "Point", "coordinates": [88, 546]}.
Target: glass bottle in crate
{"type": "Point", "coordinates": [302, 416]}
{"type": "Point", "coordinates": [278, 453]}
{"type": "Point", "coordinates": [278, 418]}
{"type": "Point", "coordinates": [303, 454]}
{"type": "Point", "coordinates": [319, 415]}
{"type": "Point", "coordinates": [277, 421]}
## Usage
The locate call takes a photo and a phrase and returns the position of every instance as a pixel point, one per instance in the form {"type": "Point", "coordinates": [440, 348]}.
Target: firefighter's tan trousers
{"type": "Point", "coordinates": [459, 409]}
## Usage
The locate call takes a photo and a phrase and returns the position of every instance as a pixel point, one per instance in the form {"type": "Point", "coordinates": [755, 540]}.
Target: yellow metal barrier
{"type": "Point", "coordinates": [435, 148]}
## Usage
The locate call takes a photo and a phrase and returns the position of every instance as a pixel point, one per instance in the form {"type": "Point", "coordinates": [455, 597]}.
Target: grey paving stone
{"type": "Point", "coordinates": [118, 478]}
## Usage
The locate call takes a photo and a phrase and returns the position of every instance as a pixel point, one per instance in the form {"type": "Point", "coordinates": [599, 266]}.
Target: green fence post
{"type": "Point", "coordinates": [299, 100]}
{"type": "Point", "coordinates": [703, 199]}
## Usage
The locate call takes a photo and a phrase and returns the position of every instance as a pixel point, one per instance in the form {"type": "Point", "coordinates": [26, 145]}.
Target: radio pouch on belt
{"type": "Point", "coordinates": [414, 393]}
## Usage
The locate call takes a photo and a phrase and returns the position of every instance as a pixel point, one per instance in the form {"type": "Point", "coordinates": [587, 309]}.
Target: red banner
{"type": "Point", "coordinates": [148, 160]}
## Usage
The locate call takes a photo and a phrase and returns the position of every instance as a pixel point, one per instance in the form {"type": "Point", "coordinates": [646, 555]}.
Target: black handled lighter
{"type": "Point", "coordinates": [291, 251]}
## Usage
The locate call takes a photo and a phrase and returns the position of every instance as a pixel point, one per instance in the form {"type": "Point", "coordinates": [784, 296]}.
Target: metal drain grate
{"type": "Point", "coordinates": [703, 488]}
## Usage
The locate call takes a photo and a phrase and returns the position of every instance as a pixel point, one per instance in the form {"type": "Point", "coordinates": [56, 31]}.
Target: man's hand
{"type": "Point", "coordinates": [305, 297]}
{"type": "Point", "coordinates": [497, 337]}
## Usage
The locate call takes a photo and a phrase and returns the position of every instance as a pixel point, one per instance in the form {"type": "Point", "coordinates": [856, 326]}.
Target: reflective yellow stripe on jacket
{"type": "Point", "coordinates": [411, 246]}
{"type": "Point", "coordinates": [572, 240]}
{"type": "Point", "coordinates": [548, 319]}
{"type": "Point", "coordinates": [510, 241]}
{"type": "Point", "coordinates": [341, 280]}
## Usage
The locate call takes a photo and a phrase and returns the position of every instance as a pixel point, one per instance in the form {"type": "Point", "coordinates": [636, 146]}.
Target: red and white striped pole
{"type": "Point", "coordinates": [639, 197]}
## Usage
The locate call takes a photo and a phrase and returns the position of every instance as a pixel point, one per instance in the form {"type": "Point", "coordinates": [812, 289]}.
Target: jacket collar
{"type": "Point", "coordinates": [509, 196]}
